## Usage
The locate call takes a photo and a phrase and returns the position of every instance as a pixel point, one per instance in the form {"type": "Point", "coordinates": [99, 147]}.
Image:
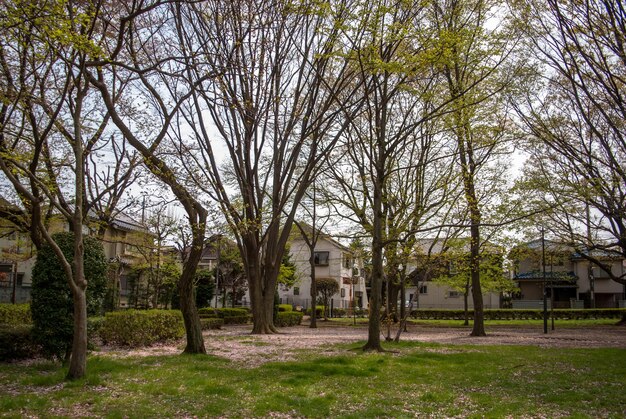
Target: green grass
{"type": "Point", "coordinates": [414, 380]}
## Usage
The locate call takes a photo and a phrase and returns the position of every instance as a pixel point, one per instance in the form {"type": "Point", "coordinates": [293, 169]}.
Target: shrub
{"type": "Point", "coordinates": [318, 311]}
{"type": "Point", "coordinates": [52, 307]}
{"type": "Point", "coordinates": [521, 314]}
{"type": "Point", "coordinates": [207, 313]}
{"type": "Point", "coordinates": [231, 312]}
{"type": "Point", "coordinates": [339, 312]}
{"type": "Point", "coordinates": [142, 328]}
{"type": "Point", "coordinates": [14, 314]}
{"type": "Point", "coordinates": [285, 307]}
{"type": "Point", "coordinates": [211, 323]}
{"type": "Point", "coordinates": [288, 318]}
{"type": "Point", "coordinates": [16, 342]}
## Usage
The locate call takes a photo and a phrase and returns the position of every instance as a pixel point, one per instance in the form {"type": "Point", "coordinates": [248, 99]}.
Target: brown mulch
{"type": "Point", "coordinates": [238, 345]}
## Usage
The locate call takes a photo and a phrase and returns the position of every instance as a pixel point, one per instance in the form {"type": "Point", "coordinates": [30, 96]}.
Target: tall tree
{"type": "Point", "coordinates": [50, 125]}
{"type": "Point", "coordinates": [382, 146]}
{"type": "Point", "coordinates": [273, 102]}
{"type": "Point", "coordinates": [473, 59]}
{"type": "Point", "coordinates": [141, 55]}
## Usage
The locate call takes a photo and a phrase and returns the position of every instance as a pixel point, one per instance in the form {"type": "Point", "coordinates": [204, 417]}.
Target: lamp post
{"type": "Point", "coordinates": [545, 297]}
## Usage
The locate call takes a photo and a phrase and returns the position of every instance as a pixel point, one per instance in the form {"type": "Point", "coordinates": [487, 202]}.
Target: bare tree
{"type": "Point", "coordinates": [273, 101]}
{"type": "Point", "coordinates": [142, 56]}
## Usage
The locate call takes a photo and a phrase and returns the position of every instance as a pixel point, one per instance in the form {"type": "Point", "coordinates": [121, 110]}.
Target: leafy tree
{"type": "Point", "coordinates": [205, 288]}
{"type": "Point", "coordinates": [326, 288]}
{"type": "Point", "coordinates": [575, 125]}
{"type": "Point", "coordinates": [52, 304]}
{"type": "Point", "coordinates": [287, 275]}
{"type": "Point", "coordinates": [52, 129]}
{"type": "Point", "coordinates": [479, 73]}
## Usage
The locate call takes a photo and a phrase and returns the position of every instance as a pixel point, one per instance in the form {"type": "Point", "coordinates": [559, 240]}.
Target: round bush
{"type": "Point", "coordinates": [52, 307]}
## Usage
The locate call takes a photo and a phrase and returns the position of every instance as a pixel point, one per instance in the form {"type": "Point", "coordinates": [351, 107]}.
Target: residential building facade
{"type": "Point", "coordinates": [332, 260]}
{"type": "Point", "coordinates": [570, 281]}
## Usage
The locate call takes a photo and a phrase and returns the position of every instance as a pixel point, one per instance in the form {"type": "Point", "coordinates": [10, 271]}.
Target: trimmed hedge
{"type": "Point", "coordinates": [211, 323]}
{"type": "Point", "coordinates": [285, 307]}
{"type": "Point", "coordinates": [15, 314]}
{"type": "Point", "coordinates": [142, 328]}
{"type": "Point", "coordinates": [16, 342]}
{"type": "Point", "coordinates": [288, 318]}
{"type": "Point", "coordinates": [319, 310]}
{"type": "Point", "coordinates": [521, 314]}
{"type": "Point", "coordinates": [228, 315]}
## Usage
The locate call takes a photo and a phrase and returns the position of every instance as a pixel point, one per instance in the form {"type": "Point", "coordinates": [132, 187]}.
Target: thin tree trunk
{"type": "Point", "coordinates": [78, 358]}
{"type": "Point", "coordinates": [313, 324]}
{"type": "Point", "coordinates": [479, 325]}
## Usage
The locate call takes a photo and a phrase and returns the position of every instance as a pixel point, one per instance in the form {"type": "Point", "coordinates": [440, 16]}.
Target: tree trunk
{"type": "Point", "coordinates": [477, 296]}
{"type": "Point", "coordinates": [193, 330]}
{"type": "Point", "coordinates": [466, 304]}
{"type": "Point", "coordinates": [78, 358]}
{"type": "Point", "coordinates": [313, 324]}
{"type": "Point", "coordinates": [373, 330]}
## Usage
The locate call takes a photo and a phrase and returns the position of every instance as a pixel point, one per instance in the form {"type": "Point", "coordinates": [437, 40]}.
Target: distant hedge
{"type": "Point", "coordinates": [288, 318]}
{"type": "Point", "coordinates": [14, 314]}
{"type": "Point", "coordinates": [141, 327]}
{"type": "Point", "coordinates": [228, 315]}
{"type": "Point", "coordinates": [521, 314]}
{"type": "Point", "coordinates": [16, 342]}
{"type": "Point", "coordinates": [211, 323]}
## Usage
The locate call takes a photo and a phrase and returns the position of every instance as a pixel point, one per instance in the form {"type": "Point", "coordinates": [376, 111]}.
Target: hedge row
{"type": "Point", "coordinates": [211, 323]}
{"type": "Point", "coordinates": [228, 315]}
{"type": "Point", "coordinates": [522, 314]}
{"type": "Point", "coordinates": [15, 314]}
{"type": "Point", "coordinates": [17, 342]}
{"type": "Point", "coordinates": [142, 328]}
{"type": "Point", "coordinates": [288, 318]}
{"type": "Point", "coordinates": [285, 307]}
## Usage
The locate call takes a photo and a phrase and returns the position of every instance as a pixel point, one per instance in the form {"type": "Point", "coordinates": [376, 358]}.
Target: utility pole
{"type": "Point", "coordinates": [545, 297]}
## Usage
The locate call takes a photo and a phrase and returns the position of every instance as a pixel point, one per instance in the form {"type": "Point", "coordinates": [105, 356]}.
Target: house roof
{"type": "Point", "coordinates": [296, 233]}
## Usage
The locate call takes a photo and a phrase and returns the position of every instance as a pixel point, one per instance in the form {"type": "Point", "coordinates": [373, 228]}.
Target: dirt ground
{"type": "Point", "coordinates": [237, 344]}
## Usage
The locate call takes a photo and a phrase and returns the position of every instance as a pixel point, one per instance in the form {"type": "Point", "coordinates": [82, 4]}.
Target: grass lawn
{"type": "Point", "coordinates": [417, 380]}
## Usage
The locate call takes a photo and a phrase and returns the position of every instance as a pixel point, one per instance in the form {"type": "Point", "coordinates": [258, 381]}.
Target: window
{"type": "Point", "coordinates": [454, 294]}
{"type": "Point", "coordinates": [343, 292]}
{"type": "Point", "coordinates": [598, 272]}
{"type": "Point", "coordinates": [296, 290]}
{"type": "Point", "coordinates": [321, 258]}
{"type": "Point", "coordinates": [424, 289]}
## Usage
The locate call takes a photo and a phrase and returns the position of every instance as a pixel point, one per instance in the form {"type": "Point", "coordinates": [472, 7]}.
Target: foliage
{"type": "Point", "coordinates": [14, 314]}
{"type": "Point", "coordinates": [287, 274]}
{"type": "Point", "coordinates": [326, 288]}
{"type": "Point", "coordinates": [288, 318]}
{"type": "Point", "coordinates": [232, 281]}
{"type": "Point", "coordinates": [17, 342]}
{"type": "Point", "coordinates": [319, 310]}
{"type": "Point", "coordinates": [52, 307]}
{"type": "Point", "coordinates": [141, 328]}
{"type": "Point", "coordinates": [285, 307]}
{"type": "Point", "coordinates": [205, 288]}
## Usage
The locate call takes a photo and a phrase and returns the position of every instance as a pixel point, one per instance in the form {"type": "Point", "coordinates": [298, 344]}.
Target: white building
{"type": "Point", "coordinates": [332, 260]}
